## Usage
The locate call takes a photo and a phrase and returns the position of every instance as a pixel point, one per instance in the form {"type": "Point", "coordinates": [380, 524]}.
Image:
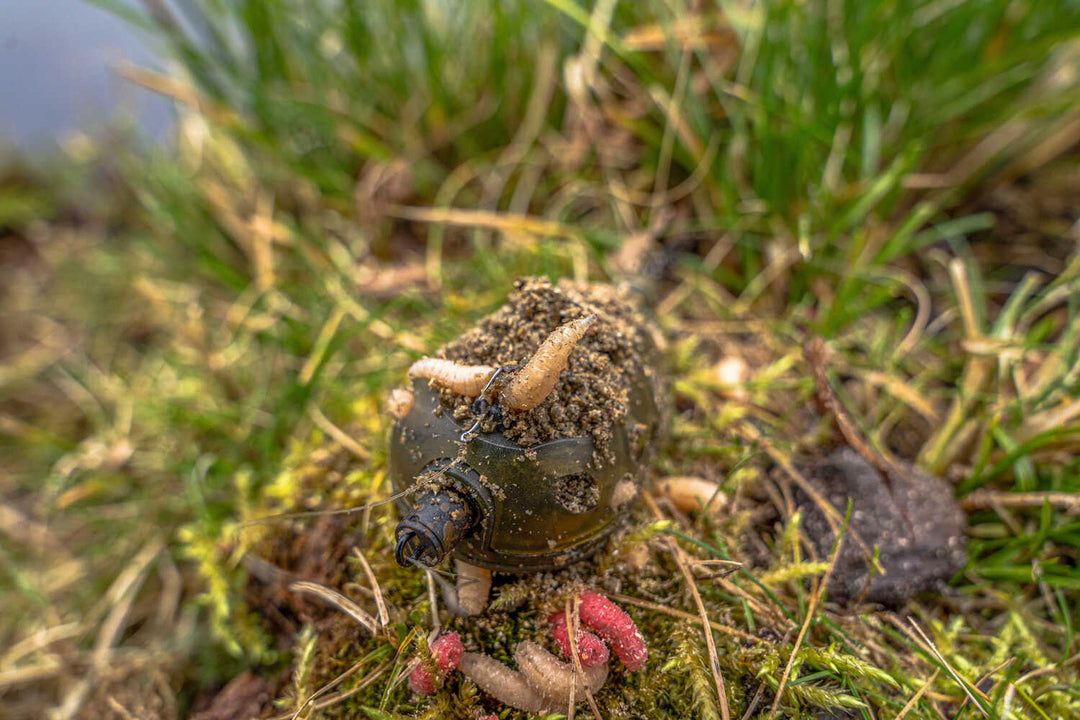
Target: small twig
{"type": "Point", "coordinates": [1046, 670]}
{"type": "Point", "coordinates": [571, 626]}
{"type": "Point", "coordinates": [177, 90]}
{"type": "Point", "coordinates": [929, 645]}
{"type": "Point", "coordinates": [923, 309]}
{"type": "Point", "coordinates": [435, 576]}
{"type": "Point", "coordinates": [986, 680]}
{"type": "Point", "coordinates": [338, 434]}
{"type": "Point", "coordinates": [754, 701]}
{"type": "Point", "coordinates": [683, 615]}
{"type": "Point", "coordinates": [265, 571]}
{"type": "Point", "coordinates": [171, 593]}
{"type": "Point", "coordinates": [346, 694]}
{"type": "Point", "coordinates": [367, 680]}
{"type": "Point", "coordinates": [122, 595]}
{"type": "Point", "coordinates": [32, 534]}
{"type": "Point", "coordinates": [941, 448]}
{"type": "Point", "coordinates": [989, 499]}
{"type": "Point", "coordinates": [281, 517]}
{"type": "Point", "coordinates": [44, 670]}
{"type": "Point", "coordinates": [119, 709]}
{"type": "Point", "coordinates": [570, 611]}
{"type": "Point", "coordinates": [710, 642]}
{"type": "Point", "coordinates": [333, 597]}
{"type": "Point", "coordinates": [572, 623]}
{"type": "Point", "coordinates": [433, 602]}
{"type": "Point", "coordinates": [815, 600]}
{"type": "Point", "coordinates": [901, 390]}
{"type": "Point", "coordinates": [505, 222]}
{"type": "Point", "coordinates": [37, 641]}
{"type": "Point", "coordinates": [917, 696]}
{"type": "Point", "coordinates": [815, 352]}
{"type": "Point", "coordinates": [380, 602]}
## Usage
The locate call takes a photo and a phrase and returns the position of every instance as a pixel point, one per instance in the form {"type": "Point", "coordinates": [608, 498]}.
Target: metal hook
{"type": "Point", "coordinates": [470, 434]}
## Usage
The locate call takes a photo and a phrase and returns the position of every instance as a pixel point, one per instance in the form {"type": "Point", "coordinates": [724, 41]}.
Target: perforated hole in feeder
{"type": "Point", "coordinates": [578, 493]}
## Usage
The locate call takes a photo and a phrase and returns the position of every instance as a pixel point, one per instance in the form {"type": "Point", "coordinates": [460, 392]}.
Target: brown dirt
{"type": "Point", "coordinates": [592, 393]}
{"type": "Point", "coordinates": [144, 694]}
{"type": "Point", "coordinates": [245, 696]}
{"type": "Point", "coordinates": [316, 554]}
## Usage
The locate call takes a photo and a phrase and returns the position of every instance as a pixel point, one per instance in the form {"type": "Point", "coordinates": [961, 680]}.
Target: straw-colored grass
{"type": "Point", "coordinates": [197, 345]}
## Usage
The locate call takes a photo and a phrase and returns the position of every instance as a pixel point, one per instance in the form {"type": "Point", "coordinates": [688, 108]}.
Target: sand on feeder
{"type": "Point", "coordinates": [591, 395]}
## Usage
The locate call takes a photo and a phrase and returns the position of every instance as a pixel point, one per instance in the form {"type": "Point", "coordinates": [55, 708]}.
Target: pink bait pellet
{"type": "Point", "coordinates": [591, 649]}
{"type": "Point", "coordinates": [447, 651]}
{"type": "Point", "coordinates": [608, 620]}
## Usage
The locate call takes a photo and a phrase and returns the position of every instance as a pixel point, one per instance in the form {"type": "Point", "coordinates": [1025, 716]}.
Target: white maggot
{"type": "Point", "coordinates": [532, 384]}
{"type": "Point", "coordinates": [692, 494]}
{"type": "Point", "coordinates": [554, 678]}
{"type": "Point", "coordinates": [473, 585]}
{"type": "Point", "coordinates": [505, 685]}
{"type": "Point", "coordinates": [400, 402]}
{"type": "Point", "coordinates": [467, 380]}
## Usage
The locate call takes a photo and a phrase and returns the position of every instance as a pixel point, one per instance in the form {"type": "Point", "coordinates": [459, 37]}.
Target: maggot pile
{"type": "Point", "coordinates": [543, 683]}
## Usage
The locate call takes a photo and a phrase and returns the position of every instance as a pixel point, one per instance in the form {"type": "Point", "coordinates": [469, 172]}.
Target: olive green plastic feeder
{"type": "Point", "coordinates": [493, 503]}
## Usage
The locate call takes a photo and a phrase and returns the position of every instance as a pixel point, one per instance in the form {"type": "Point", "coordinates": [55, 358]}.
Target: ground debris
{"type": "Point", "coordinates": [914, 520]}
{"type": "Point", "coordinates": [244, 696]}
{"type": "Point", "coordinates": [142, 693]}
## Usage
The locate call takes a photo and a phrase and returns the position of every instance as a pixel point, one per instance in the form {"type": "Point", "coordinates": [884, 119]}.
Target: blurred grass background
{"type": "Point", "coordinates": [353, 183]}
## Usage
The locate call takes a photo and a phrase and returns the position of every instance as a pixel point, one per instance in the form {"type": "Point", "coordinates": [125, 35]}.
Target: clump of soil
{"type": "Point", "coordinates": [577, 493]}
{"type": "Point", "coordinates": [591, 395]}
{"type": "Point", "coordinates": [914, 520]}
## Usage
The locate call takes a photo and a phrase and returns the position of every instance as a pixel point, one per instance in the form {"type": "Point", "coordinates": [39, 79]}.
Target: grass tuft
{"type": "Point", "coordinates": [196, 344]}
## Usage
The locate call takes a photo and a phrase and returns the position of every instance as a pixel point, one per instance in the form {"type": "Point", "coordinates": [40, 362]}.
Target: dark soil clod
{"type": "Point", "coordinates": [915, 521]}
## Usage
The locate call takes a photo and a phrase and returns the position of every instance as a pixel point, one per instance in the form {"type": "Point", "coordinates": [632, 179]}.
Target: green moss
{"type": "Point", "coordinates": [179, 339]}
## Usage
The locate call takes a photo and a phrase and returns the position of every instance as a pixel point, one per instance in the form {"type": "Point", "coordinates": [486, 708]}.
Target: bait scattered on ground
{"type": "Point", "coordinates": [505, 685]}
{"type": "Point", "coordinates": [446, 654]}
{"type": "Point", "coordinates": [473, 585]}
{"type": "Point", "coordinates": [692, 494]}
{"type": "Point", "coordinates": [610, 622]}
{"type": "Point", "coordinates": [556, 679]}
{"type": "Point", "coordinates": [543, 682]}
{"type": "Point", "coordinates": [591, 649]}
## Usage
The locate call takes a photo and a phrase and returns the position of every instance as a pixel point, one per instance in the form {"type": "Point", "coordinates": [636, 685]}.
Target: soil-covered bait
{"type": "Point", "coordinates": [592, 393]}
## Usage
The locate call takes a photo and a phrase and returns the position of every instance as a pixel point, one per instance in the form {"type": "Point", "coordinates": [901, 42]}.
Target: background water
{"type": "Point", "coordinates": [55, 75]}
